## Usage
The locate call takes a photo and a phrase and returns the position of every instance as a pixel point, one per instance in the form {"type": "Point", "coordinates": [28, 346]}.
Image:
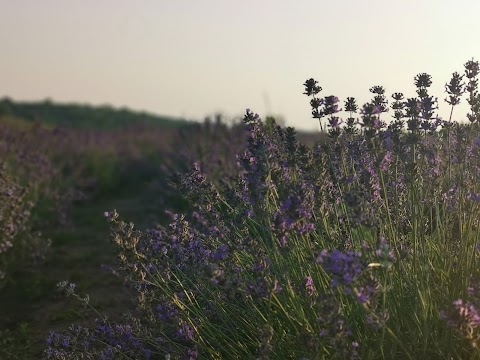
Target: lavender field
{"type": "Point", "coordinates": [208, 241]}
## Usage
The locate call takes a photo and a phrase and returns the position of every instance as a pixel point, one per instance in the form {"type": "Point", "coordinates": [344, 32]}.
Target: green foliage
{"type": "Point", "coordinates": [84, 116]}
{"type": "Point", "coordinates": [14, 344]}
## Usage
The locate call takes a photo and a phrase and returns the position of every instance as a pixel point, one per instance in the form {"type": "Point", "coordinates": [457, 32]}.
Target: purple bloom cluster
{"type": "Point", "coordinates": [344, 268]}
{"type": "Point", "coordinates": [117, 341]}
{"type": "Point", "coordinates": [295, 214]}
{"type": "Point", "coordinates": [464, 315]}
{"type": "Point", "coordinates": [349, 271]}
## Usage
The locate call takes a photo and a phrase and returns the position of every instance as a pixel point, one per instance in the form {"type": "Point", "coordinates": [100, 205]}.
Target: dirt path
{"type": "Point", "coordinates": [31, 307]}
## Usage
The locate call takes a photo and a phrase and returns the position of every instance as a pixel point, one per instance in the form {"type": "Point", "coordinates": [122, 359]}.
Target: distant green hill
{"type": "Point", "coordinates": [84, 116]}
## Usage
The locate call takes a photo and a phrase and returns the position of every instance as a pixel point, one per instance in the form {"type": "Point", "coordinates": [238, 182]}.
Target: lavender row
{"type": "Point", "coordinates": [363, 247]}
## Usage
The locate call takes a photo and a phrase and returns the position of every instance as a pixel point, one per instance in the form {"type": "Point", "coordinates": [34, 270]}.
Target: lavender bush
{"type": "Point", "coordinates": [212, 144]}
{"type": "Point", "coordinates": [14, 216]}
{"type": "Point", "coordinates": [363, 247]}
{"type": "Point", "coordinates": [26, 181]}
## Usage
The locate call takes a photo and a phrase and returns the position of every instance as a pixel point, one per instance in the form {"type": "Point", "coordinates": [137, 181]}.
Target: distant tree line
{"type": "Point", "coordinates": [84, 116]}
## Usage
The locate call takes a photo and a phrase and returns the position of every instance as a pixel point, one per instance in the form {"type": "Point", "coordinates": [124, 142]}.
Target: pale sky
{"type": "Point", "coordinates": [192, 58]}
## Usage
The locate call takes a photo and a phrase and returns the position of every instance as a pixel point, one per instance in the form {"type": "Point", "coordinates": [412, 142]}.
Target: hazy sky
{"type": "Point", "coordinates": [192, 58]}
